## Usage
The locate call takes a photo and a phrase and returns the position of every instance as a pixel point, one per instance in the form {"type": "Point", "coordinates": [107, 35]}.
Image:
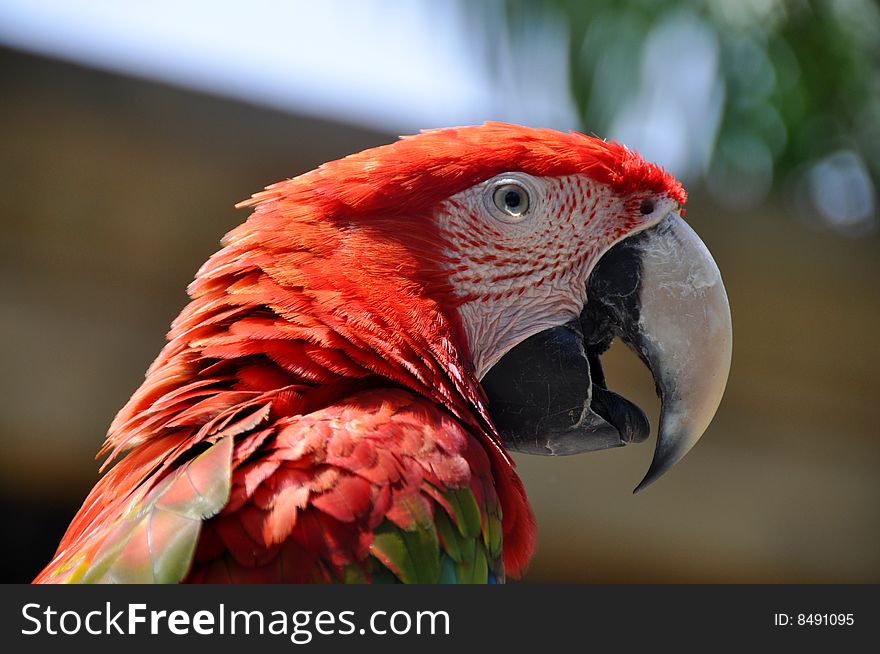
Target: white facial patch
{"type": "Point", "coordinates": [517, 274]}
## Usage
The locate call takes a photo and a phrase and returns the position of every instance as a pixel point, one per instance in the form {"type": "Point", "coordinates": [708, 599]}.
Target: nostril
{"type": "Point", "coordinates": [647, 206]}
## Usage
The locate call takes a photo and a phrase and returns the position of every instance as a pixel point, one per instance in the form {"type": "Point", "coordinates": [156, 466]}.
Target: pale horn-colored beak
{"type": "Point", "coordinates": [683, 333]}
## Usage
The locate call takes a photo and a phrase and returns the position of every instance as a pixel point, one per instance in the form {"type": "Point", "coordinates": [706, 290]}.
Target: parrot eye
{"type": "Point", "coordinates": [511, 199]}
{"type": "Point", "coordinates": [646, 207]}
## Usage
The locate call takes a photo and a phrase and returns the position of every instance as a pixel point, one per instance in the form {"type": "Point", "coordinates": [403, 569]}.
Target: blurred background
{"type": "Point", "coordinates": [128, 131]}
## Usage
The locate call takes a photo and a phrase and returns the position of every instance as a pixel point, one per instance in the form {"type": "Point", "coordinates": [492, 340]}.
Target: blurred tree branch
{"type": "Point", "coordinates": [797, 84]}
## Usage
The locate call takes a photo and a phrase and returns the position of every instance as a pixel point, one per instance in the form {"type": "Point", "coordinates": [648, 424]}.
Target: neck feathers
{"type": "Point", "coordinates": [296, 311]}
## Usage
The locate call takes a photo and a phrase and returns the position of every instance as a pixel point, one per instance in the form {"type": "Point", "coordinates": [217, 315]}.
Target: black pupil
{"type": "Point", "coordinates": [647, 206]}
{"type": "Point", "coordinates": [512, 199]}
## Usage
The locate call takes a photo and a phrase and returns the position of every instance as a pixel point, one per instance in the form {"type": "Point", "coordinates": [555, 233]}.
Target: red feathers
{"type": "Point", "coordinates": [416, 172]}
{"type": "Point", "coordinates": [333, 287]}
{"type": "Point", "coordinates": [326, 481]}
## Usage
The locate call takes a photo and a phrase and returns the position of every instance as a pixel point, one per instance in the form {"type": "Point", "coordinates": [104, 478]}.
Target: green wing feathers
{"type": "Point", "coordinates": [155, 541]}
{"type": "Point", "coordinates": [459, 544]}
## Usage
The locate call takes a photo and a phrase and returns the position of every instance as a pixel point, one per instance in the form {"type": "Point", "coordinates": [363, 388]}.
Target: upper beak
{"type": "Point", "coordinates": [660, 292]}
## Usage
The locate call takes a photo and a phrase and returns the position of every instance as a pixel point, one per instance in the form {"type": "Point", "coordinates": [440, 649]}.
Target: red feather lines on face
{"type": "Point", "coordinates": [491, 265]}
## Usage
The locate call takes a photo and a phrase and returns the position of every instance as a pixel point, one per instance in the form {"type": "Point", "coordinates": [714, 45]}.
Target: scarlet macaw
{"type": "Point", "coordinates": [337, 400]}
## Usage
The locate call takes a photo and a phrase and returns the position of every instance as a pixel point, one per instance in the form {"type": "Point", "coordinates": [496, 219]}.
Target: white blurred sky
{"type": "Point", "coordinates": [403, 65]}
{"type": "Point", "coordinates": [398, 65]}
{"type": "Point", "coordinates": [395, 65]}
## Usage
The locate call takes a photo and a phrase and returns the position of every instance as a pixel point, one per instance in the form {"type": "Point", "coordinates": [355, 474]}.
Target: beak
{"type": "Point", "coordinates": [547, 396]}
{"type": "Point", "coordinates": [660, 292]}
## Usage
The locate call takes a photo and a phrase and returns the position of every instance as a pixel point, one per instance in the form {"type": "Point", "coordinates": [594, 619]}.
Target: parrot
{"type": "Point", "coordinates": [340, 398]}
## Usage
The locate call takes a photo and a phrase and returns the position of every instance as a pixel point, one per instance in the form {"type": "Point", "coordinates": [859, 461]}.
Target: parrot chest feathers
{"type": "Point", "coordinates": [381, 486]}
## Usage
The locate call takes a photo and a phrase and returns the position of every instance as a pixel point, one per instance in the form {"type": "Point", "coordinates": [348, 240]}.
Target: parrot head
{"type": "Point", "coordinates": [370, 343]}
{"type": "Point", "coordinates": [497, 263]}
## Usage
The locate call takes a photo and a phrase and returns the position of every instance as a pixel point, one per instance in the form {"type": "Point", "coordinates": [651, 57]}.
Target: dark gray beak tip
{"type": "Point", "coordinates": [661, 463]}
{"type": "Point", "coordinates": [654, 473]}
{"type": "Point", "coordinates": [670, 450]}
